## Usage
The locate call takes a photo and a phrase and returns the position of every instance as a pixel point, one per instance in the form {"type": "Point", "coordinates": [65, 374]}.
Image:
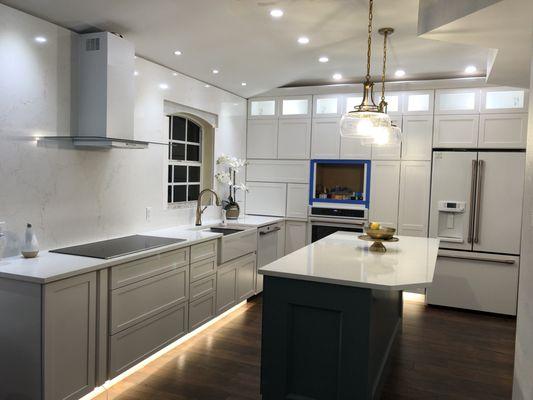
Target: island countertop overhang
{"type": "Point", "coordinates": [343, 259]}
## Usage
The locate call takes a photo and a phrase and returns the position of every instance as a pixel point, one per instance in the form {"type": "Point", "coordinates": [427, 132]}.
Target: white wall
{"type": "Point", "coordinates": [72, 195]}
{"type": "Point", "coordinates": [523, 372]}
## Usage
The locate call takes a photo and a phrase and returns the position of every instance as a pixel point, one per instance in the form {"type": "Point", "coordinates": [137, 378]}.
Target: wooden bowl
{"type": "Point", "coordinates": [382, 233]}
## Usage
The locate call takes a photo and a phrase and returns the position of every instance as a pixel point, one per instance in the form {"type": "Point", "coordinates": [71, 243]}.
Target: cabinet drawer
{"type": "Point", "coordinates": [201, 311]}
{"type": "Point", "coordinates": [131, 346]}
{"type": "Point", "coordinates": [138, 301]}
{"type": "Point", "coordinates": [202, 269]}
{"type": "Point", "coordinates": [203, 287]}
{"type": "Point", "coordinates": [203, 250]}
{"type": "Point", "coordinates": [137, 270]}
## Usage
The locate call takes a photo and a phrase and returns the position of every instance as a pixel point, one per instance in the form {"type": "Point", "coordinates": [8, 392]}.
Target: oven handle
{"type": "Point", "coordinates": [338, 221]}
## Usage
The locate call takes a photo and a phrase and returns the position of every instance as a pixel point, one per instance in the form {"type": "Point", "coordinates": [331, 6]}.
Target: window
{"type": "Point", "coordinates": [184, 160]}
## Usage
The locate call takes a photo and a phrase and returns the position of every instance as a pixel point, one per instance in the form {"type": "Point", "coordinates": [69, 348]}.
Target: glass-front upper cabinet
{"type": "Point", "coordinates": [265, 107]}
{"type": "Point", "coordinates": [352, 101]}
{"type": "Point", "coordinates": [457, 101]}
{"type": "Point", "coordinates": [418, 102]}
{"type": "Point", "coordinates": [504, 100]}
{"type": "Point", "coordinates": [295, 107]}
{"type": "Point", "coordinates": [329, 105]}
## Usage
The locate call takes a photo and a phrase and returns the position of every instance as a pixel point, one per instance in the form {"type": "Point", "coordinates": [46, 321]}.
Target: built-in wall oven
{"type": "Point", "coordinates": [338, 197]}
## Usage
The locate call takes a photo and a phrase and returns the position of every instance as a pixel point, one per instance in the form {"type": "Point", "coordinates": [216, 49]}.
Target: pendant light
{"type": "Point", "coordinates": [384, 136]}
{"type": "Point", "coordinates": [362, 121]}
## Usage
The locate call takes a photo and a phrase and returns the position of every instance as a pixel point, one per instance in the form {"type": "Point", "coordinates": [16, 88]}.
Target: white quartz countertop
{"type": "Point", "coordinates": [48, 267]}
{"type": "Point", "coordinates": [343, 259]}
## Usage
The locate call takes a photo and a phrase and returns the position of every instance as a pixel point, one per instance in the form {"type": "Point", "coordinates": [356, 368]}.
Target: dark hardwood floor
{"type": "Point", "coordinates": [442, 354]}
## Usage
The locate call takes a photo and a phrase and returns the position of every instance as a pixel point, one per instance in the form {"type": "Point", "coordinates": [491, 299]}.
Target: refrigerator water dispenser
{"type": "Point", "coordinates": [451, 220]}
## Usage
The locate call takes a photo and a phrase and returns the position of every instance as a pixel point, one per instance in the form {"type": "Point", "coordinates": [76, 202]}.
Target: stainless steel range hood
{"type": "Point", "coordinates": [105, 93]}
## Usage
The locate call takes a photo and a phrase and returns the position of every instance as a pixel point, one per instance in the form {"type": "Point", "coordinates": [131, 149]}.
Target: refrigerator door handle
{"type": "Point", "coordinates": [479, 188]}
{"type": "Point", "coordinates": [472, 200]}
{"type": "Point", "coordinates": [481, 259]}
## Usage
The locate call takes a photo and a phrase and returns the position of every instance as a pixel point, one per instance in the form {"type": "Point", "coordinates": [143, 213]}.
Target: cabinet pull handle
{"type": "Point", "coordinates": [482, 259]}
{"type": "Point", "coordinates": [270, 231]}
{"type": "Point", "coordinates": [472, 200]}
{"type": "Point", "coordinates": [479, 188]}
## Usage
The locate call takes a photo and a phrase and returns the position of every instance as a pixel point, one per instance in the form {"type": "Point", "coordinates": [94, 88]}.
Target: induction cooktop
{"type": "Point", "coordinates": [107, 249]}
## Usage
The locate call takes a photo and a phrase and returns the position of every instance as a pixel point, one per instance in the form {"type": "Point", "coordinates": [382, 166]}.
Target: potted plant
{"type": "Point", "coordinates": [228, 177]}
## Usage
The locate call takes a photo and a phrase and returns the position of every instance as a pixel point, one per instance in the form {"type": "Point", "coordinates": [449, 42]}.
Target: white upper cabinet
{"type": "Point", "coordinates": [456, 131]}
{"type": "Point", "coordinates": [394, 102]}
{"type": "Point", "coordinates": [457, 101]}
{"type": "Point", "coordinates": [351, 101]}
{"type": "Point", "coordinates": [294, 138]}
{"type": "Point", "coordinates": [504, 100]}
{"type": "Point", "coordinates": [263, 107]}
{"type": "Point", "coordinates": [265, 198]}
{"type": "Point", "coordinates": [389, 152]}
{"type": "Point", "coordinates": [325, 138]}
{"type": "Point", "coordinates": [418, 102]}
{"type": "Point", "coordinates": [328, 106]}
{"type": "Point", "coordinates": [353, 149]}
{"type": "Point", "coordinates": [417, 138]}
{"type": "Point", "coordinates": [384, 192]}
{"type": "Point", "coordinates": [277, 171]}
{"type": "Point", "coordinates": [502, 131]}
{"type": "Point", "coordinates": [297, 200]}
{"type": "Point", "coordinates": [295, 107]}
{"type": "Point", "coordinates": [262, 138]}
{"type": "Point", "coordinates": [413, 214]}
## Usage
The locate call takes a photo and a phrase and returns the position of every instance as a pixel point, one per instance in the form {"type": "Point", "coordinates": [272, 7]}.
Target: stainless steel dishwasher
{"type": "Point", "coordinates": [267, 250]}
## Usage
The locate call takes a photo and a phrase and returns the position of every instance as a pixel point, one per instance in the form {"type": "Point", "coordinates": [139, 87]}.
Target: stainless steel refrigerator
{"type": "Point", "coordinates": [476, 211]}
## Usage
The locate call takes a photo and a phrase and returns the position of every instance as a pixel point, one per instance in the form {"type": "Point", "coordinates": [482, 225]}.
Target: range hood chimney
{"type": "Point", "coordinates": [106, 92]}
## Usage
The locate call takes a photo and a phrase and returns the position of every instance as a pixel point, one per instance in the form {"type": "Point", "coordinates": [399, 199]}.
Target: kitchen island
{"type": "Point", "coordinates": [331, 314]}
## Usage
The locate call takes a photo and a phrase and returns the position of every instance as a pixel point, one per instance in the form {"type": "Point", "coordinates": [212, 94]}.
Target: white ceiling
{"type": "Point", "coordinates": [239, 38]}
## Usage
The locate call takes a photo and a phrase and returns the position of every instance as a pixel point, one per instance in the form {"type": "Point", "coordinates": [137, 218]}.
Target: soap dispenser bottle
{"type": "Point", "coordinates": [30, 248]}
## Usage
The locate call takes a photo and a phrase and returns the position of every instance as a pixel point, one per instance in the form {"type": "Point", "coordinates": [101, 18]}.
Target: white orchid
{"type": "Point", "coordinates": [233, 163]}
{"type": "Point", "coordinates": [223, 177]}
{"type": "Point", "coordinates": [242, 187]}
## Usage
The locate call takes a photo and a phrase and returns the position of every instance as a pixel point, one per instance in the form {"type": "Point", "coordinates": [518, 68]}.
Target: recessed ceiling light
{"type": "Point", "coordinates": [323, 59]}
{"type": "Point", "coordinates": [175, 74]}
{"type": "Point", "coordinates": [215, 71]}
{"type": "Point", "coordinates": [276, 13]}
{"type": "Point", "coordinates": [303, 40]}
{"type": "Point", "coordinates": [399, 73]}
{"type": "Point", "coordinates": [178, 53]}
{"type": "Point", "coordinates": [337, 77]}
{"type": "Point", "coordinates": [40, 39]}
{"type": "Point", "coordinates": [471, 69]}
{"type": "Point", "coordinates": [207, 86]}
{"type": "Point", "coordinates": [136, 73]}
{"type": "Point", "coordinates": [163, 86]}
{"type": "Point", "coordinates": [243, 83]}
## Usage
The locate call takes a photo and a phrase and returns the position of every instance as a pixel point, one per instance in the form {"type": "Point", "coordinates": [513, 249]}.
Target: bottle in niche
{"type": "Point", "coordinates": [30, 248]}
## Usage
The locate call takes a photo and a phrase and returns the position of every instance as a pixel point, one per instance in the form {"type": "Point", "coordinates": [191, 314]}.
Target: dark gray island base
{"type": "Point", "coordinates": [324, 341]}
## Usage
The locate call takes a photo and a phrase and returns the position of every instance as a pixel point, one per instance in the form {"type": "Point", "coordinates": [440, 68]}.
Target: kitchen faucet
{"type": "Point", "coordinates": [199, 209]}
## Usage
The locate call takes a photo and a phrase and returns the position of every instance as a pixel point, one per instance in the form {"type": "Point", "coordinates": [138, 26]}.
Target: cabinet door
{"type": "Point", "coordinates": [262, 139]}
{"type": "Point", "coordinates": [294, 138]}
{"type": "Point", "coordinates": [263, 107]}
{"type": "Point", "coordinates": [327, 106]}
{"type": "Point", "coordinates": [282, 171]}
{"type": "Point", "coordinates": [325, 138]}
{"type": "Point", "coordinates": [501, 189]}
{"type": "Point", "coordinates": [417, 138]}
{"type": "Point", "coordinates": [413, 215]}
{"type": "Point", "coordinates": [246, 270]}
{"type": "Point", "coordinates": [389, 152]}
{"type": "Point", "coordinates": [226, 287]}
{"type": "Point", "coordinates": [384, 192]}
{"type": "Point", "coordinates": [418, 102]}
{"type": "Point", "coordinates": [295, 107]}
{"type": "Point", "coordinates": [69, 331]}
{"type": "Point", "coordinates": [504, 100]}
{"type": "Point", "coordinates": [297, 200]}
{"type": "Point", "coordinates": [503, 131]}
{"type": "Point", "coordinates": [266, 199]}
{"type": "Point", "coordinates": [295, 235]}
{"type": "Point", "coordinates": [457, 101]}
{"type": "Point", "coordinates": [201, 311]}
{"type": "Point", "coordinates": [456, 131]}
{"type": "Point", "coordinates": [354, 149]}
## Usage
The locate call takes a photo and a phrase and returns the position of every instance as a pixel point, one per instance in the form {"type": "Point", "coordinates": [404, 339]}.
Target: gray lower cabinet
{"type": "Point", "coordinates": [201, 311]}
{"type": "Point", "coordinates": [235, 282]}
{"type": "Point", "coordinates": [69, 332]}
{"type": "Point", "coordinates": [134, 344]}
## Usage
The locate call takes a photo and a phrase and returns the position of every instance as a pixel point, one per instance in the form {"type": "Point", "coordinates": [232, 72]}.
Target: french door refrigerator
{"type": "Point", "coordinates": [476, 211]}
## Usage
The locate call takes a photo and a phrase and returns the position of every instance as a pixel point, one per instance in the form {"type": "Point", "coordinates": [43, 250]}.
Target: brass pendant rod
{"type": "Point", "coordinates": [385, 32]}
{"type": "Point", "coordinates": [369, 49]}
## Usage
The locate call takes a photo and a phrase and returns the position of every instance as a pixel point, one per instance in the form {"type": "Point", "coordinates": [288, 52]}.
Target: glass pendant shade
{"type": "Point", "coordinates": [384, 136]}
{"type": "Point", "coordinates": [362, 124]}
